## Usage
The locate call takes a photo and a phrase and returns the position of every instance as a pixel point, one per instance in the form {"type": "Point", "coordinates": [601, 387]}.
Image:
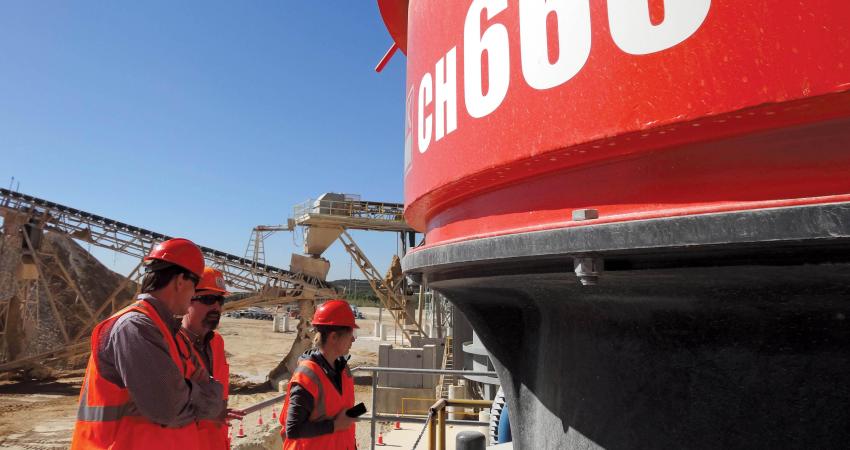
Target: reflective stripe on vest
{"type": "Point", "coordinates": [108, 418]}
{"type": "Point", "coordinates": [328, 401]}
{"type": "Point", "coordinates": [319, 402]}
{"type": "Point", "coordinates": [90, 413]}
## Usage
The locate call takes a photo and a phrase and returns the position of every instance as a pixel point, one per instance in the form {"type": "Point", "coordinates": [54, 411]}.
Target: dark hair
{"type": "Point", "coordinates": [323, 331]}
{"type": "Point", "coordinates": [159, 278]}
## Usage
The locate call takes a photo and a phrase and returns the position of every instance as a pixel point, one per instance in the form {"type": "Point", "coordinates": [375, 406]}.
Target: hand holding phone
{"type": "Point", "coordinates": [357, 410]}
{"type": "Point", "coordinates": [342, 421]}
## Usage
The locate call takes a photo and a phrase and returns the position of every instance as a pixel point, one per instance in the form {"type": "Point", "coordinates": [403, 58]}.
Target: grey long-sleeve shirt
{"type": "Point", "coordinates": [136, 356]}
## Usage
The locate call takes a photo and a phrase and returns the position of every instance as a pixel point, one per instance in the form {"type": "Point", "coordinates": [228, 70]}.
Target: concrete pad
{"type": "Point", "coordinates": [405, 437]}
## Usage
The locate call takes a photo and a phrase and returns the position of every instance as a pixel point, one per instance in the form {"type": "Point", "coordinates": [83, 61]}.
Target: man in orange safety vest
{"type": "Point", "coordinates": [138, 391]}
{"type": "Point", "coordinates": [207, 348]}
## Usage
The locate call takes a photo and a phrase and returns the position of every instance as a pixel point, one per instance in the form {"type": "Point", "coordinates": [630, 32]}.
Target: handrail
{"type": "Point", "coordinates": [350, 208]}
{"type": "Point", "coordinates": [265, 404]}
{"type": "Point", "coordinates": [374, 417]}
{"type": "Point", "coordinates": [388, 418]}
{"type": "Point", "coordinates": [437, 412]}
{"type": "Point", "coordinates": [428, 371]}
{"type": "Point", "coordinates": [438, 408]}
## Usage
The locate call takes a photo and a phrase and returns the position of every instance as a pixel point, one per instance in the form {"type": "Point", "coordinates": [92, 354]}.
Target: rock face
{"type": "Point", "coordinates": [56, 295]}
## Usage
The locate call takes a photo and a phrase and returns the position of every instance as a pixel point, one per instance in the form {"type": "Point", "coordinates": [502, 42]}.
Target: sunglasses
{"type": "Point", "coordinates": [209, 300]}
{"type": "Point", "coordinates": [192, 277]}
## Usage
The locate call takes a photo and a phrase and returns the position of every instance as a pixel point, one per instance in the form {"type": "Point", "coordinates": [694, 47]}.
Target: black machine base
{"type": "Point", "coordinates": [735, 334]}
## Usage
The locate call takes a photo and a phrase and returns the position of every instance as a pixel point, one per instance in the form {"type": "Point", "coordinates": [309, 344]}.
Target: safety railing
{"type": "Point", "coordinates": [437, 419]}
{"type": "Point", "coordinates": [265, 404]}
{"type": "Point", "coordinates": [374, 417]}
{"type": "Point", "coordinates": [237, 429]}
{"type": "Point", "coordinates": [353, 208]}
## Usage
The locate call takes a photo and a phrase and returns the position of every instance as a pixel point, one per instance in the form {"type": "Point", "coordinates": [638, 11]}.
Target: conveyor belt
{"type": "Point", "coordinates": [240, 273]}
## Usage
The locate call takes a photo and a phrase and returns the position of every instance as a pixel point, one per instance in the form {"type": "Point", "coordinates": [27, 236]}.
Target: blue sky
{"type": "Point", "coordinates": [202, 119]}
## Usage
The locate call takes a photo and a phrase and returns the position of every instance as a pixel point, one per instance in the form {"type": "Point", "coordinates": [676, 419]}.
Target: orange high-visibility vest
{"type": "Point", "coordinates": [327, 404]}
{"type": "Point", "coordinates": [212, 434]}
{"type": "Point", "coordinates": [103, 417]}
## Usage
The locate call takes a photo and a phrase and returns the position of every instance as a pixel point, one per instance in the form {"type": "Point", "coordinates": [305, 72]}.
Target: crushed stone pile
{"type": "Point", "coordinates": [35, 305]}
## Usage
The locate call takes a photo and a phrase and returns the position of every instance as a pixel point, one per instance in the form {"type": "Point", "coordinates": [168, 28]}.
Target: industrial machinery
{"type": "Point", "coordinates": [240, 273]}
{"type": "Point", "coordinates": [643, 207]}
{"type": "Point", "coordinates": [20, 212]}
{"type": "Point", "coordinates": [327, 219]}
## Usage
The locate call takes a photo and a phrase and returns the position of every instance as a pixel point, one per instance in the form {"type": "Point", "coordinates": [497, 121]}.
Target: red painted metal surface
{"type": "Point", "coordinates": [386, 58]}
{"type": "Point", "coordinates": [394, 14]}
{"type": "Point", "coordinates": [736, 104]}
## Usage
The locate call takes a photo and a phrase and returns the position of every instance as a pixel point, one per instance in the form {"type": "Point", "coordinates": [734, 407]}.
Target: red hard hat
{"type": "Point", "coordinates": [212, 283]}
{"type": "Point", "coordinates": [335, 312]}
{"type": "Point", "coordinates": [181, 252]}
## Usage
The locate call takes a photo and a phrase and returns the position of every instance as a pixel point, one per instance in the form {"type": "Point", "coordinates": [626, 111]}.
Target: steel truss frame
{"type": "Point", "coordinates": [240, 273]}
{"type": "Point", "coordinates": [272, 284]}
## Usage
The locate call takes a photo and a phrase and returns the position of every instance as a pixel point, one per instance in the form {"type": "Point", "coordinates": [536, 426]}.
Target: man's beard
{"type": "Point", "coordinates": [211, 320]}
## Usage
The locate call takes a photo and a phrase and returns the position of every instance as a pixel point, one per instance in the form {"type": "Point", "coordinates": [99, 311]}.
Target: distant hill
{"type": "Point", "coordinates": [356, 291]}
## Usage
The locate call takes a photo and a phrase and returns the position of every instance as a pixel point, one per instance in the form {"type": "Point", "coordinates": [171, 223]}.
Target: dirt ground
{"type": "Point", "coordinates": [40, 414]}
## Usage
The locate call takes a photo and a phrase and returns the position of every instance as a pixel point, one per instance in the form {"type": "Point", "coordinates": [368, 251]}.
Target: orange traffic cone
{"type": "Point", "coordinates": [241, 432]}
{"type": "Point", "coordinates": [260, 419]}
{"type": "Point", "coordinates": [397, 425]}
{"type": "Point", "coordinates": [380, 439]}
{"type": "Point", "coordinates": [274, 415]}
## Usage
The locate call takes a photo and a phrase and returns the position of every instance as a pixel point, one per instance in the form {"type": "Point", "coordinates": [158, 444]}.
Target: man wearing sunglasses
{"type": "Point", "coordinates": [138, 392]}
{"type": "Point", "coordinates": [207, 347]}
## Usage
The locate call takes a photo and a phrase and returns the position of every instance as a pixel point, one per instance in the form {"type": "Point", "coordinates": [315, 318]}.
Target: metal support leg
{"type": "Point", "coordinates": [441, 428]}
{"type": "Point", "coordinates": [374, 405]}
{"type": "Point", "coordinates": [432, 433]}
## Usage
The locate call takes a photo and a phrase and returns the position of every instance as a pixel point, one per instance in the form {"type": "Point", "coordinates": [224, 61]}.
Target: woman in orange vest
{"type": "Point", "coordinates": [322, 388]}
{"type": "Point", "coordinates": [138, 393]}
{"type": "Point", "coordinates": [205, 347]}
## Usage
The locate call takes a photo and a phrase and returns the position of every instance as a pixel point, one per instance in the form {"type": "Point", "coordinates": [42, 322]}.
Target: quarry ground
{"type": "Point", "coordinates": [40, 414]}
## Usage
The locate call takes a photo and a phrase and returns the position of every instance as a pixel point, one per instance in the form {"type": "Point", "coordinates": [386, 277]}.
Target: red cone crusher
{"type": "Point", "coordinates": [643, 208]}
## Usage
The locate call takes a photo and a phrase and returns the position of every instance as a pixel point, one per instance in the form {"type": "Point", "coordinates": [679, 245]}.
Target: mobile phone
{"type": "Point", "coordinates": [357, 410]}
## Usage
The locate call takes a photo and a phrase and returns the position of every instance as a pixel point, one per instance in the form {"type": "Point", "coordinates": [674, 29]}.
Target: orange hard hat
{"type": "Point", "coordinates": [181, 252]}
{"type": "Point", "coordinates": [212, 283]}
{"type": "Point", "coordinates": [336, 313]}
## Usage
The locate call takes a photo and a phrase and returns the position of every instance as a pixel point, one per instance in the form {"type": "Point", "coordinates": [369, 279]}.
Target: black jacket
{"type": "Point", "coordinates": [301, 402]}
